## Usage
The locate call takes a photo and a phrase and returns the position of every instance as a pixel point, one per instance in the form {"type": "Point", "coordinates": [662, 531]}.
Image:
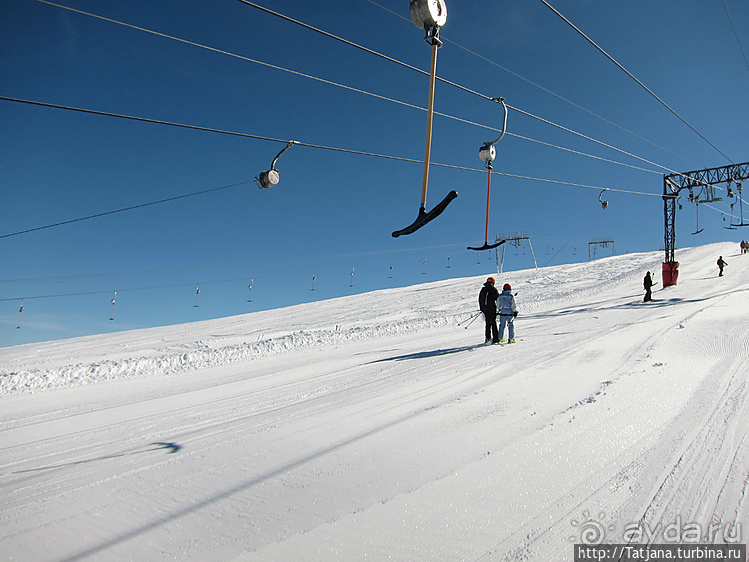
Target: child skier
{"type": "Point", "coordinates": [508, 311]}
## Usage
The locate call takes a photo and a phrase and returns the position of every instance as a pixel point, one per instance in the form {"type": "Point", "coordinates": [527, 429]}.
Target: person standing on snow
{"type": "Point", "coordinates": [648, 284]}
{"type": "Point", "coordinates": [508, 311]}
{"type": "Point", "coordinates": [721, 265]}
{"type": "Point", "coordinates": [488, 306]}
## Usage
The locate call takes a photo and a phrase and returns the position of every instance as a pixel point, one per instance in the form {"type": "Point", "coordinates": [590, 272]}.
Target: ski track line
{"type": "Point", "coordinates": [245, 418]}
{"type": "Point", "coordinates": [703, 456]}
{"type": "Point", "coordinates": [579, 499]}
{"type": "Point", "coordinates": [566, 352]}
{"type": "Point", "coordinates": [377, 392]}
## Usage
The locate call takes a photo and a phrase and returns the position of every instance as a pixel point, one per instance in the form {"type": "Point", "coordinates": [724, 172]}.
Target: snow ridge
{"type": "Point", "coordinates": [374, 315]}
{"type": "Point", "coordinates": [205, 354]}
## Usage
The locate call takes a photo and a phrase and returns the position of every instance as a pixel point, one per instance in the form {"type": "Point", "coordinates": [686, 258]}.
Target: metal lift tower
{"type": "Point", "coordinates": [516, 240]}
{"type": "Point", "coordinates": [705, 181]}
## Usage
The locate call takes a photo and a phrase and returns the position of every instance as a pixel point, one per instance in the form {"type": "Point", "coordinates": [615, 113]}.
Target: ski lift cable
{"type": "Point", "coordinates": [536, 85]}
{"type": "Point", "coordinates": [332, 83]}
{"type": "Point", "coordinates": [245, 135]}
{"type": "Point", "coordinates": [736, 34]}
{"type": "Point", "coordinates": [469, 90]}
{"type": "Point", "coordinates": [452, 166]}
{"type": "Point", "coordinates": [567, 129]}
{"type": "Point", "coordinates": [273, 139]}
{"type": "Point", "coordinates": [300, 143]}
{"type": "Point", "coordinates": [356, 45]}
{"type": "Point", "coordinates": [122, 210]}
{"type": "Point", "coordinates": [633, 77]}
{"type": "Point", "coordinates": [117, 274]}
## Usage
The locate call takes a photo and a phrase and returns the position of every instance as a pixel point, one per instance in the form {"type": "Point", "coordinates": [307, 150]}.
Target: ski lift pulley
{"type": "Point", "coordinates": [270, 178]}
{"type": "Point", "coordinates": [604, 204]}
{"type": "Point", "coordinates": [428, 13]}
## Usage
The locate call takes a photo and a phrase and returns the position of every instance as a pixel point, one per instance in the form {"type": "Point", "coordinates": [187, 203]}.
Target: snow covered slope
{"type": "Point", "coordinates": [375, 425]}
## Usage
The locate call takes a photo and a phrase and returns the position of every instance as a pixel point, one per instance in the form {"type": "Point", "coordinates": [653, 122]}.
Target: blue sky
{"type": "Point", "coordinates": [333, 211]}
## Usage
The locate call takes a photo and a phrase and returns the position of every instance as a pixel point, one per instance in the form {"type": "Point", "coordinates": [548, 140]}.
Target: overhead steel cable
{"type": "Point", "coordinates": [324, 147]}
{"type": "Point", "coordinates": [736, 34]}
{"type": "Point", "coordinates": [633, 77]}
{"type": "Point", "coordinates": [484, 96]}
{"type": "Point", "coordinates": [260, 137]}
{"type": "Point", "coordinates": [114, 212]}
{"type": "Point", "coordinates": [362, 47]}
{"type": "Point", "coordinates": [533, 83]}
{"type": "Point", "coordinates": [385, 98]}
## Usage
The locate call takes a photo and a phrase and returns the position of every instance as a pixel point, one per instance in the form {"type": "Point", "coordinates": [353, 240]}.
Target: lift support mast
{"type": "Point", "coordinates": [672, 186]}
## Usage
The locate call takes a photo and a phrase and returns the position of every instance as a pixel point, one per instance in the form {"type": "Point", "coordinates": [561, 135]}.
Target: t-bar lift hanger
{"type": "Point", "coordinates": [488, 153]}
{"type": "Point", "coordinates": [429, 15]}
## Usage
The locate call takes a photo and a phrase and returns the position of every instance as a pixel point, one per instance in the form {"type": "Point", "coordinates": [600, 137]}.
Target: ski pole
{"type": "Point", "coordinates": [472, 320]}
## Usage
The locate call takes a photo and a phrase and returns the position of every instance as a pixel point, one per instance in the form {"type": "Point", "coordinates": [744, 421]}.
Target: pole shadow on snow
{"type": "Point", "coordinates": [233, 491]}
{"type": "Point", "coordinates": [428, 354]}
{"type": "Point", "coordinates": [170, 447]}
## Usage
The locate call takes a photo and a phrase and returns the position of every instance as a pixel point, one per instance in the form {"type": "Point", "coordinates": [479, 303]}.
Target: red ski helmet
{"type": "Point", "coordinates": [490, 280]}
{"type": "Point", "coordinates": [507, 287]}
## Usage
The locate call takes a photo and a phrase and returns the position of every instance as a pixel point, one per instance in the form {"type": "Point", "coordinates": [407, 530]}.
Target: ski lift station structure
{"type": "Point", "coordinates": [604, 243]}
{"type": "Point", "coordinates": [704, 181]}
{"type": "Point", "coordinates": [516, 240]}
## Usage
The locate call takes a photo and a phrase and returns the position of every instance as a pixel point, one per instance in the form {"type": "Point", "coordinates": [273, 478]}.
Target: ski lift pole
{"type": "Point", "coordinates": [488, 199]}
{"type": "Point", "coordinates": [20, 310]}
{"type": "Point", "coordinates": [430, 121]}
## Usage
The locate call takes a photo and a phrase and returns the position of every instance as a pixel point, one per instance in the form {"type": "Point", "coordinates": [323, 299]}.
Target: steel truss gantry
{"type": "Point", "coordinates": [699, 179]}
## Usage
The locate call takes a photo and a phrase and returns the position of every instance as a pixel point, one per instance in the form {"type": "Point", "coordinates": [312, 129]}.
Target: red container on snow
{"type": "Point", "coordinates": [670, 273]}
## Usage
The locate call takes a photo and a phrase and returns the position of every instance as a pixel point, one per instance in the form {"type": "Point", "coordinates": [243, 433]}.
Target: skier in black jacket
{"type": "Point", "coordinates": [488, 306]}
{"type": "Point", "coordinates": [647, 283]}
{"type": "Point", "coordinates": [721, 265]}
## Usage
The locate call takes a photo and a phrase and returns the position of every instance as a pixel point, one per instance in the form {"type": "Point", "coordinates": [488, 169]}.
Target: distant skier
{"type": "Point", "coordinates": [721, 265]}
{"type": "Point", "coordinates": [648, 284]}
{"type": "Point", "coordinates": [508, 311]}
{"type": "Point", "coordinates": [488, 306]}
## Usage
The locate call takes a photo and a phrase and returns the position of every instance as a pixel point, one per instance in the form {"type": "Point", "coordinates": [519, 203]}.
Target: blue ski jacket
{"type": "Point", "coordinates": [506, 304]}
